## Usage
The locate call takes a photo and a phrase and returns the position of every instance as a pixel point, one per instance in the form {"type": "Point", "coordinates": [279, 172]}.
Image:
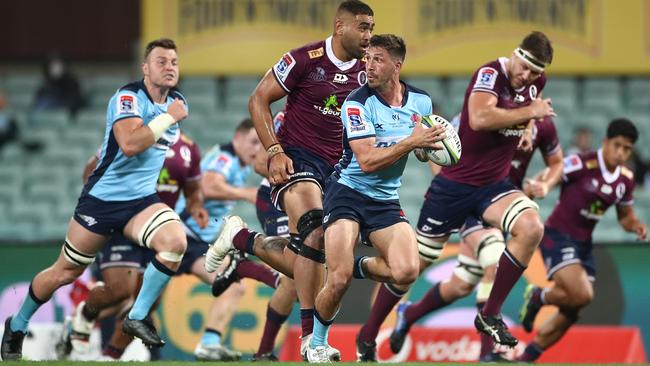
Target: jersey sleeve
{"type": "Point", "coordinates": [290, 69]}
{"type": "Point", "coordinates": [195, 165]}
{"type": "Point", "coordinates": [357, 121]}
{"type": "Point", "coordinates": [549, 143]}
{"type": "Point", "coordinates": [488, 79]}
{"type": "Point", "coordinates": [127, 105]}
{"type": "Point", "coordinates": [573, 167]}
{"type": "Point", "coordinates": [222, 164]}
{"type": "Point", "coordinates": [627, 198]}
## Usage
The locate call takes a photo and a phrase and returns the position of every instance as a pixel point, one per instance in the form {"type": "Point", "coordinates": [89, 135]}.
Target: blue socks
{"type": "Point", "coordinates": [321, 330]}
{"type": "Point", "coordinates": [155, 280]}
{"type": "Point", "coordinates": [20, 321]}
{"type": "Point", "coordinates": [211, 337]}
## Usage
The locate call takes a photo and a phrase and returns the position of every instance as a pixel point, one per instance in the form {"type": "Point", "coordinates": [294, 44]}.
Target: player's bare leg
{"type": "Point", "coordinates": [78, 251]}
{"type": "Point", "coordinates": [341, 237]}
{"type": "Point", "coordinates": [159, 228]}
{"type": "Point", "coordinates": [571, 292]}
{"type": "Point", "coordinates": [518, 215]}
{"type": "Point", "coordinates": [120, 285]}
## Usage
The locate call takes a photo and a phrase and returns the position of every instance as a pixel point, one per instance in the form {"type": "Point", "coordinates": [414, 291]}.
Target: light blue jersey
{"type": "Point", "coordinates": [118, 177]}
{"type": "Point", "coordinates": [366, 114]}
{"type": "Point", "coordinates": [223, 160]}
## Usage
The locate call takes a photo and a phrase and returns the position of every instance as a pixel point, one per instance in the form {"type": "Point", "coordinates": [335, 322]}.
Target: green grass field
{"type": "Point", "coordinates": [192, 363]}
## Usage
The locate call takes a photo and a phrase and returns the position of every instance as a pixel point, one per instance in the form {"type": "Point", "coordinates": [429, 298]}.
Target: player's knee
{"type": "Point", "coordinates": [165, 242]}
{"type": "Point", "coordinates": [340, 279]}
{"type": "Point", "coordinates": [521, 219]}
{"type": "Point", "coordinates": [406, 275]}
{"type": "Point", "coordinates": [489, 249]}
{"type": "Point", "coordinates": [530, 227]}
{"type": "Point", "coordinates": [310, 228]}
{"type": "Point", "coordinates": [580, 298]}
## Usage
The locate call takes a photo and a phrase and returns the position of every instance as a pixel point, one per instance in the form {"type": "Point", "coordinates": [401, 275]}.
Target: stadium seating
{"type": "Point", "coordinates": [38, 190]}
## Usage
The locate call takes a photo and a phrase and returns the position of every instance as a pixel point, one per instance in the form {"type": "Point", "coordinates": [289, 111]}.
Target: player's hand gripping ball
{"type": "Point", "coordinates": [451, 148]}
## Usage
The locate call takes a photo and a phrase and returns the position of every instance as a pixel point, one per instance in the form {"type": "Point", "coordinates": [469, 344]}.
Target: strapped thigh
{"type": "Point", "coordinates": [156, 221]}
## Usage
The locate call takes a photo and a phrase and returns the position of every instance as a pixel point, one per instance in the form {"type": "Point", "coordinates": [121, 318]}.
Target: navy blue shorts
{"type": "Point", "coordinates": [448, 204]}
{"type": "Point", "coordinates": [307, 167]}
{"type": "Point", "coordinates": [107, 217]}
{"type": "Point", "coordinates": [560, 250]}
{"type": "Point", "coordinates": [119, 251]}
{"type": "Point", "coordinates": [274, 222]}
{"type": "Point", "coordinates": [195, 249]}
{"type": "Point", "coordinates": [343, 202]}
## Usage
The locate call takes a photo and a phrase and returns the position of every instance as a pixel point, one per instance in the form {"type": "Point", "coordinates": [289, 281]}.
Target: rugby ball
{"type": "Point", "coordinates": [451, 147]}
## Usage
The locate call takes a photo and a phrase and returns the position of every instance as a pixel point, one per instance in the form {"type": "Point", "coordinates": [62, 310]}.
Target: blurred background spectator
{"type": "Point", "coordinates": [60, 88]}
{"type": "Point", "coordinates": [582, 141]}
{"type": "Point", "coordinates": [8, 126]}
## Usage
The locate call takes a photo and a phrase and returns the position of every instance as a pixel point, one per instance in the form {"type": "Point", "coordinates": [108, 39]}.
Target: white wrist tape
{"type": "Point", "coordinates": [160, 124]}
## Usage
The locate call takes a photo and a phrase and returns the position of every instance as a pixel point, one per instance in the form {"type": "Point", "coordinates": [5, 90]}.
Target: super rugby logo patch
{"type": "Point", "coordinates": [284, 66]}
{"type": "Point", "coordinates": [486, 78]}
{"type": "Point", "coordinates": [126, 104]}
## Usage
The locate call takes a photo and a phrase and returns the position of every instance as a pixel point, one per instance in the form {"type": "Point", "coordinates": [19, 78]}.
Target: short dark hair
{"type": "Point", "coordinates": [165, 43]}
{"type": "Point", "coordinates": [539, 46]}
{"type": "Point", "coordinates": [622, 127]}
{"type": "Point", "coordinates": [393, 44]}
{"type": "Point", "coordinates": [355, 7]}
{"type": "Point", "coordinates": [245, 125]}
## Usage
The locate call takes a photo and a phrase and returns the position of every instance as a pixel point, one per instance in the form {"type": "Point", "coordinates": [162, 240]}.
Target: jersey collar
{"type": "Point", "coordinates": [342, 65]}
{"type": "Point", "coordinates": [607, 176]}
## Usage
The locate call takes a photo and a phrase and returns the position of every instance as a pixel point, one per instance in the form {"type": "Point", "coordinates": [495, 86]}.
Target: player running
{"type": "Point", "coordinates": [592, 182]}
{"type": "Point", "coordinates": [316, 78]}
{"type": "Point", "coordinates": [121, 196]}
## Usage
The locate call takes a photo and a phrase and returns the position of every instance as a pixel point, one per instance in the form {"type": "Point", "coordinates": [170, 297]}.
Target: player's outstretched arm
{"type": "Point", "coordinates": [485, 115]}
{"type": "Point", "coordinates": [373, 158]}
{"type": "Point", "coordinates": [134, 137]}
{"type": "Point", "coordinates": [629, 221]}
{"type": "Point", "coordinates": [90, 166]}
{"type": "Point", "coordinates": [216, 187]}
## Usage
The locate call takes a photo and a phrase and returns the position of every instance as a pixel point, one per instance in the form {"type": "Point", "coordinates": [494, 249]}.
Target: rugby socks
{"type": "Point", "coordinates": [244, 240]}
{"type": "Point", "coordinates": [258, 272]}
{"type": "Point", "coordinates": [357, 270]}
{"type": "Point", "coordinates": [487, 344]}
{"type": "Point", "coordinates": [431, 301]}
{"type": "Point", "coordinates": [307, 321]}
{"type": "Point", "coordinates": [531, 353]}
{"type": "Point", "coordinates": [112, 352]}
{"type": "Point", "coordinates": [387, 297]}
{"type": "Point", "coordinates": [274, 321]}
{"type": "Point", "coordinates": [156, 277]}
{"type": "Point", "coordinates": [211, 337]}
{"type": "Point", "coordinates": [31, 303]}
{"type": "Point", "coordinates": [509, 271]}
{"type": "Point", "coordinates": [321, 329]}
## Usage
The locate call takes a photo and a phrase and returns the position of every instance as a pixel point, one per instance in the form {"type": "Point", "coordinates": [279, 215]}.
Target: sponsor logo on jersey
{"type": "Point", "coordinates": [486, 78]}
{"type": "Point", "coordinates": [340, 78]}
{"type": "Point", "coordinates": [331, 106]}
{"type": "Point", "coordinates": [356, 121]}
{"type": "Point", "coordinates": [532, 91]}
{"type": "Point", "coordinates": [315, 53]}
{"type": "Point", "coordinates": [126, 104]}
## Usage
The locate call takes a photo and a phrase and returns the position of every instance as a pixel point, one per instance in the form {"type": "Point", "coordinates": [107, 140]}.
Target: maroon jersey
{"type": "Point", "coordinates": [545, 139]}
{"type": "Point", "coordinates": [182, 164]}
{"type": "Point", "coordinates": [588, 189]}
{"type": "Point", "coordinates": [317, 83]}
{"type": "Point", "coordinates": [487, 154]}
